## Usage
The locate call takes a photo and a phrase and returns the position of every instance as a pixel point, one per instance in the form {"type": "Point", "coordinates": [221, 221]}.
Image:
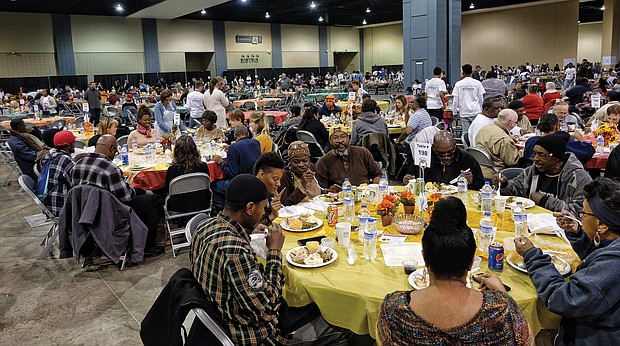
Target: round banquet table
{"type": "Point", "coordinates": [598, 161]}
{"type": "Point", "coordinates": [279, 116]}
{"type": "Point", "coordinates": [259, 102]}
{"type": "Point", "coordinates": [340, 95]}
{"type": "Point", "coordinates": [351, 296]}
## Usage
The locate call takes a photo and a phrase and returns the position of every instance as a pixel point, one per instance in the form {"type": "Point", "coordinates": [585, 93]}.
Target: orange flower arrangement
{"type": "Point", "coordinates": [407, 198]}
{"type": "Point", "coordinates": [434, 197]}
{"type": "Point", "coordinates": [609, 132]}
{"type": "Point", "coordinates": [388, 206]}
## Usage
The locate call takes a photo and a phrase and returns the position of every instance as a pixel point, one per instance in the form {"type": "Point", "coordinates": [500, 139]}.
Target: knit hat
{"type": "Point", "coordinates": [556, 146]}
{"type": "Point", "coordinates": [330, 96]}
{"type": "Point", "coordinates": [63, 138]}
{"type": "Point", "coordinates": [246, 188]}
{"type": "Point", "coordinates": [337, 128]}
{"type": "Point", "coordinates": [298, 148]}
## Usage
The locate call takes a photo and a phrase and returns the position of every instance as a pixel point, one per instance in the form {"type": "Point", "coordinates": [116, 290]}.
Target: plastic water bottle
{"type": "Point", "coordinates": [486, 234]}
{"type": "Point", "coordinates": [461, 184]}
{"type": "Point", "coordinates": [600, 143]}
{"type": "Point", "coordinates": [349, 200]}
{"type": "Point", "coordinates": [149, 152]}
{"type": "Point", "coordinates": [370, 240]}
{"type": "Point", "coordinates": [383, 186]}
{"type": "Point", "coordinates": [520, 216]}
{"type": "Point", "coordinates": [213, 147]}
{"type": "Point", "coordinates": [362, 218]}
{"type": "Point", "coordinates": [486, 197]}
{"type": "Point", "coordinates": [124, 155]}
{"type": "Point", "coordinates": [134, 144]}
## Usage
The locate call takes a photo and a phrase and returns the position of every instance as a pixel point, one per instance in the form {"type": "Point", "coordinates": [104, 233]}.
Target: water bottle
{"type": "Point", "coordinates": [600, 143]}
{"type": "Point", "coordinates": [149, 152]}
{"type": "Point", "coordinates": [134, 144]}
{"type": "Point", "coordinates": [362, 218]}
{"type": "Point", "coordinates": [486, 234]}
{"type": "Point", "coordinates": [124, 155]}
{"type": "Point", "coordinates": [486, 197]}
{"type": "Point", "coordinates": [213, 147]}
{"type": "Point", "coordinates": [383, 186]}
{"type": "Point", "coordinates": [370, 240]}
{"type": "Point", "coordinates": [349, 200]}
{"type": "Point", "coordinates": [461, 184]}
{"type": "Point", "coordinates": [520, 217]}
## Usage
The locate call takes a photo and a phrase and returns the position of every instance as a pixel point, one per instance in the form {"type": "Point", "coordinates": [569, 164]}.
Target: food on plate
{"type": "Point", "coordinates": [304, 221]}
{"type": "Point", "coordinates": [422, 280]}
{"type": "Point", "coordinates": [303, 255]}
{"type": "Point", "coordinates": [312, 246]}
{"type": "Point", "coordinates": [331, 197]}
{"type": "Point", "coordinates": [559, 264]}
{"type": "Point", "coordinates": [511, 199]}
{"type": "Point", "coordinates": [293, 223]}
{"type": "Point", "coordinates": [438, 187]}
{"type": "Point", "coordinates": [557, 261]}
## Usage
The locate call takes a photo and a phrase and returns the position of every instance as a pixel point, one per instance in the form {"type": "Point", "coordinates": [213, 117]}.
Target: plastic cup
{"type": "Point", "coordinates": [410, 266]}
{"type": "Point", "coordinates": [500, 203]}
{"type": "Point", "coordinates": [328, 242]}
{"type": "Point", "coordinates": [477, 260]}
{"type": "Point", "coordinates": [343, 232]}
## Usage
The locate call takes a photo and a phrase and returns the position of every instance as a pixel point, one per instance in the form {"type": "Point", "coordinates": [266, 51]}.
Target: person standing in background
{"type": "Point", "coordinates": [93, 97]}
{"type": "Point", "coordinates": [468, 96]}
{"type": "Point", "coordinates": [215, 100]}
{"type": "Point", "coordinates": [195, 104]}
{"type": "Point", "coordinates": [435, 90]}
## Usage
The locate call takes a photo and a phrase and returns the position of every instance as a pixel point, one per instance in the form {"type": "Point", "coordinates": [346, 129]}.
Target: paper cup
{"type": "Point", "coordinates": [343, 232]}
{"type": "Point", "coordinates": [500, 203]}
{"type": "Point", "coordinates": [328, 242]}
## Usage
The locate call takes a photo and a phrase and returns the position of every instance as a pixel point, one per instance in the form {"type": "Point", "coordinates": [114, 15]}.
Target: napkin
{"type": "Point", "coordinates": [294, 211]}
{"type": "Point", "coordinates": [545, 224]}
{"type": "Point", "coordinates": [316, 205]}
{"type": "Point", "coordinates": [258, 243]}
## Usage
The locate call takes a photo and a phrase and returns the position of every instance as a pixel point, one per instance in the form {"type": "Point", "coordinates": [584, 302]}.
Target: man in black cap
{"type": "Point", "coordinates": [248, 294]}
{"type": "Point", "coordinates": [556, 179]}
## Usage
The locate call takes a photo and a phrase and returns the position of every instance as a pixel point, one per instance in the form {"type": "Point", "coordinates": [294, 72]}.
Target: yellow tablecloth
{"type": "Point", "coordinates": [351, 296]}
{"type": "Point", "coordinates": [384, 105]}
{"type": "Point", "coordinates": [392, 129]}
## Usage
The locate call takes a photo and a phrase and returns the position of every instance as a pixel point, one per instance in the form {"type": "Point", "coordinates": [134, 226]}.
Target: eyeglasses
{"type": "Point", "coordinates": [446, 154]}
{"type": "Point", "coordinates": [582, 213]}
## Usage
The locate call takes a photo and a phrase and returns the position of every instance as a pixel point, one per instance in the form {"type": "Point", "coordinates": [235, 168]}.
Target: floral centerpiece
{"type": "Point", "coordinates": [431, 199]}
{"type": "Point", "coordinates": [609, 132]}
{"type": "Point", "coordinates": [387, 208]}
{"type": "Point", "coordinates": [408, 199]}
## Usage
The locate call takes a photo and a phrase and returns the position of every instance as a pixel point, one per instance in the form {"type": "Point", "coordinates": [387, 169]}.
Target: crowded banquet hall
{"type": "Point", "coordinates": [356, 172]}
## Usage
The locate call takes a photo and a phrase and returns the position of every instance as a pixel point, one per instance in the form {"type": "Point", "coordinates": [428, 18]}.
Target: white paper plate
{"type": "Point", "coordinates": [445, 189]}
{"type": "Point", "coordinates": [289, 259]}
{"type": "Point", "coordinates": [420, 271]}
{"type": "Point", "coordinates": [321, 198]}
{"type": "Point", "coordinates": [527, 203]}
{"type": "Point", "coordinates": [139, 168]}
{"type": "Point", "coordinates": [567, 267]}
{"type": "Point", "coordinates": [285, 226]}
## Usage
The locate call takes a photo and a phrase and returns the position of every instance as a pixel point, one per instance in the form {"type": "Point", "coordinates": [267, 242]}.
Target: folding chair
{"type": "Point", "coordinates": [483, 158]}
{"type": "Point", "coordinates": [8, 160]}
{"type": "Point", "coordinates": [79, 144]}
{"type": "Point", "coordinates": [511, 172]}
{"type": "Point", "coordinates": [122, 140]}
{"type": "Point", "coordinates": [192, 225]}
{"type": "Point", "coordinates": [58, 124]}
{"type": "Point", "coordinates": [78, 121]}
{"type": "Point", "coordinates": [213, 326]}
{"type": "Point", "coordinates": [465, 139]}
{"type": "Point", "coordinates": [48, 243]}
{"type": "Point", "coordinates": [308, 138]}
{"type": "Point", "coordinates": [250, 106]}
{"type": "Point", "coordinates": [187, 183]}
{"type": "Point", "coordinates": [434, 121]}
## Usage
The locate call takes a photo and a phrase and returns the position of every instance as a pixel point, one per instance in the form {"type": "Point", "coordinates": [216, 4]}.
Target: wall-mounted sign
{"type": "Point", "coordinates": [248, 39]}
{"type": "Point", "coordinates": [249, 59]}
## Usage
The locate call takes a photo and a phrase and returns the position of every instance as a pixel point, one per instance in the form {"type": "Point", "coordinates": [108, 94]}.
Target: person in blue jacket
{"type": "Point", "coordinates": [549, 124]}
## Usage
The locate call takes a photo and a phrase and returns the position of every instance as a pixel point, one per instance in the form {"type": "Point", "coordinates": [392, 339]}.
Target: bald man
{"type": "Point", "coordinates": [98, 169]}
{"type": "Point", "coordinates": [496, 140]}
{"type": "Point", "coordinates": [447, 162]}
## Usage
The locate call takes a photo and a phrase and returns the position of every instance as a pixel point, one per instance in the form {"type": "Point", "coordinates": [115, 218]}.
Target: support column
{"type": "Point", "coordinates": [323, 57]}
{"type": "Point", "coordinates": [219, 41]}
{"type": "Point", "coordinates": [276, 45]}
{"type": "Point", "coordinates": [361, 50]}
{"type": "Point", "coordinates": [151, 48]}
{"type": "Point", "coordinates": [432, 37]}
{"type": "Point", "coordinates": [610, 44]}
{"type": "Point", "coordinates": [63, 45]}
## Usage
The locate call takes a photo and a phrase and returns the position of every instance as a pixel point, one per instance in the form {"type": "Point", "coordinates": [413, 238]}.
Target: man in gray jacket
{"type": "Point", "coordinates": [556, 179]}
{"type": "Point", "coordinates": [369, 121]}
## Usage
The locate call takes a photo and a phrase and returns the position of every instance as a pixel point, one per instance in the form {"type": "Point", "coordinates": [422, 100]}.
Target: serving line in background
{"type": "Point", "coordinates": [362, 287]}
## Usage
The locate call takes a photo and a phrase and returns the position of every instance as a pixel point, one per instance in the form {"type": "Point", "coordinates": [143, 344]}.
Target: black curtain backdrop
{"type": "Point", "coordinates": [80, 82]}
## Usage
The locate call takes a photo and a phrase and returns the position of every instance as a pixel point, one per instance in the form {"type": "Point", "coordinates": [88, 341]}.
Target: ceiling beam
{"type": "Point", "coordinates": [170, 9]}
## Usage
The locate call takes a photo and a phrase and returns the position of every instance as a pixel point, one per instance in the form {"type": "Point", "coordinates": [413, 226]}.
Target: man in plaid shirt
{"type": "Point", "coordinates": [60, 169]}
{"type": "Point", "coordinates": [248, 295]}
{"type": "Point", "coordinates": [97, 169]}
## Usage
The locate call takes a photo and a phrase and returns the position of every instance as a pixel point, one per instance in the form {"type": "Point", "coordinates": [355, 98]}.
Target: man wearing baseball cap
{"type": "Point", "coordinates": [329, 107]}
{"type": "Point", "coordinates": [345, 161]}
{"type": "Point", "coordinates": [556, 179]}
{"type": "Point", "coordinates": [60, 169]}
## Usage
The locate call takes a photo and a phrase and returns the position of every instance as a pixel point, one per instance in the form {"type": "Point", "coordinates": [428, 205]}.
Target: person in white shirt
{"type": "Point", "coordinates": [468, 96]}
{"type": "Point", "coordinates": [490, 109]}
{"type": "Point", "coordinates": [359, 91]}
{"type": "Point", "coordinates": [195, 104]}
{"type": "Point", "coordinates": [435, 90]}
{"type": "Point", "coordinates": [569, 76]}
{"type": "Point", "coordinates": [48, 103]}
{"type": "Point", "coordinates": [215, 100]}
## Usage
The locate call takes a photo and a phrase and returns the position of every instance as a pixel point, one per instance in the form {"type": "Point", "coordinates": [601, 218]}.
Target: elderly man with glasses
{"type": "Point", "coordinates": [448, 162]}
{"type": "Point", "coordinates": [497, 140]}
{"type": "Point", "coordinates": [345, 161]}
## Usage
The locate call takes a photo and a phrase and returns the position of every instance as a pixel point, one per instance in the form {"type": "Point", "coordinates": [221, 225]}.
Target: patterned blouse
{"type": "Point", "coordinates": [498, 322]}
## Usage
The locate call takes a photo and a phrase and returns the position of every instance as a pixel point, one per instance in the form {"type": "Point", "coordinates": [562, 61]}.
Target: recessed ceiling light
{"type": "Point", "coordinates": [367, 9]}
{"type": "Point", "coordinates": [312, 5]}
{"type": "Point", "coordinates": [603, 8]}
{"type": "Point", "coordinates": [244, 0]}
{"type": "Point", "coordinates": [471, 6]}
{"type": "Point", "coordinates": [119, 8]}
{"type": "Point", "coordinates": [320, 19]}
{"type": "Point", "coordinates": [364, 22]}
{"type": "Point", "coordinates": [203, 11]}
{"type": "Point", "coordinates": [267, 15]}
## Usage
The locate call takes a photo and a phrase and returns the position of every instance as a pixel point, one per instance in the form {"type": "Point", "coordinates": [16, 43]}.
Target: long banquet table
{"type": "Point", "coordinates": [351, 296]}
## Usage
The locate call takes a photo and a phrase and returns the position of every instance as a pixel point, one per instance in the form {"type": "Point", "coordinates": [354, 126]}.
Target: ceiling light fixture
{"type": "Point", "coordinates": [320, 19]}
{"type": "Point", "coordinates": [119, 8]}
{"type": "Point", "coordinates": [312, 5]}
{"type": "Point", "coordinates": [471, 6]}
{"type": "Point", "coordinates": [364, 22]}
{"type": "Point", "coordinates": [203, 11]}
{"type": "Point", "coordinates": [367, 9]}
{"type": "Point", "coordinates": [267, 15]}
{"type": "Point", "coordinates": [603, 8]}
{"type": "Point", "coordinates": [244, 0]}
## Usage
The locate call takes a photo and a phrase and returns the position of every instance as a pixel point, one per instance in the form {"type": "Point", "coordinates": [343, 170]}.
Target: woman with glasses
{"type": "Point", "coordinates": [298, 180]}
{"type": "Point", "coordinates": [588, 303]}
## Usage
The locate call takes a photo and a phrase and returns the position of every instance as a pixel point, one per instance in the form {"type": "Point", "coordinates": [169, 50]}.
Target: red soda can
{"type": "Point", "coordinates": [496, 256]}
{"type": "Point", "coordinates": [332, 215]}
